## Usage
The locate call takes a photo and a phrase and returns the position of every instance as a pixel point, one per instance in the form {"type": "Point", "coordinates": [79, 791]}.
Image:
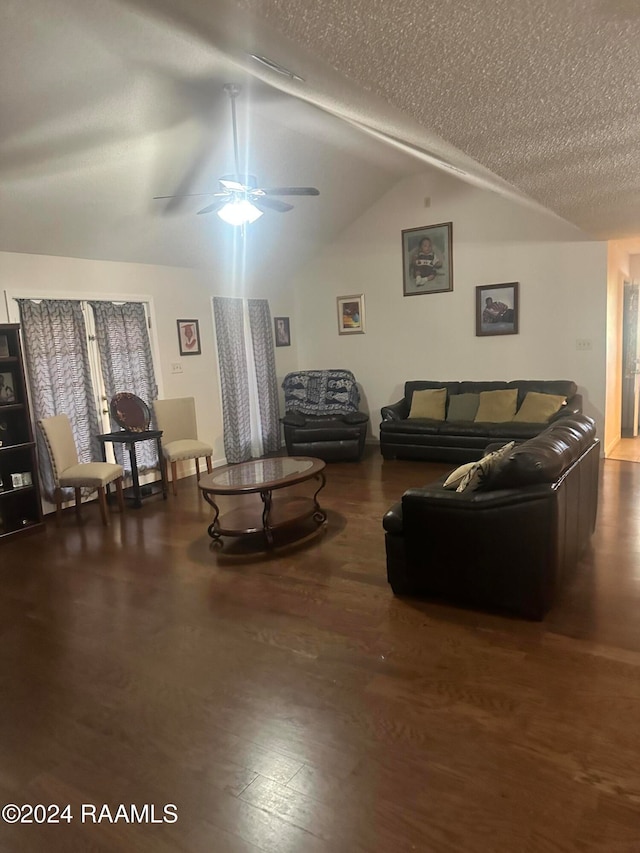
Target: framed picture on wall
{"type": "Point", "coordinates": [351, 314]}
{"type": "Point", "coordinates": [427, 262]}
{"type": "Point", "coordinates": [189, 337]}
{"type": "Point", "coordinates": [497, 309]}
{"type": "Point", "coordinates": [7, 388]}
{"type": "Point", "coordinates": [282, 331]}
{"type": "Point", "coordinates": [4, 346]}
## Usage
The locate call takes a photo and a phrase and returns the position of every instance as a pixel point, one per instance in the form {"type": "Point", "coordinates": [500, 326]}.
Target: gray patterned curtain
{"type": "Point", "coordinates": [127, 365]}
{"type": "Point", "coordinates": [265, 367]}
{"type": "Point", "coordinates": [236, 414]}
{"type": "Point", "coordinates": [55, 343]}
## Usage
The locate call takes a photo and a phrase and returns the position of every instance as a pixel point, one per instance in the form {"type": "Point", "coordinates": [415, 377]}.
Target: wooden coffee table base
{"type": "Point", "coordinates": [279, 509]}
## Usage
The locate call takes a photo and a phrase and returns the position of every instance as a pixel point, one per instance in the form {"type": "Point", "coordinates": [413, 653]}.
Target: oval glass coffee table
{"type": "Point", "coordinates": [271, 479]}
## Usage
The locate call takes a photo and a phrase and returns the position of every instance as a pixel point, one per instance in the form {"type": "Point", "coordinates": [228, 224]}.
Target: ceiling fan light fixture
{"type": "Point", "coordinates": [239, 211]}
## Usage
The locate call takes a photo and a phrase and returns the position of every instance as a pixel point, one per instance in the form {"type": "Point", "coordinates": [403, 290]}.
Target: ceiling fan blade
{"type": "Point", "coordinates": [291, 191]}
{"type": "Point", "coordinates": [212, 208]}
{"type": "Point", "coordinates": [185, 195]}
{"type": "Point", "coordinates": [263, 203]}
{"type": "Point", "coordinates": [232, 185]}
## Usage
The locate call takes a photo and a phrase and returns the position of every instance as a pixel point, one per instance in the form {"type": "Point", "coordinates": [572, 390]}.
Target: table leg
{"type": "Point", "coordinates": [266, 500]}
{"type": "Point", "coordinates": [163, 468]}
{"type": "Point", "coordinates": [213, 530]}
{"type": "Point", "coordinates": [319, 515]}
{"type": "Point", "coordinates": [134, 476]}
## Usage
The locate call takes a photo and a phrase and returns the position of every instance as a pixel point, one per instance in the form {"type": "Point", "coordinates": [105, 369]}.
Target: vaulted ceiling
{"type": "Point", "coordinates": [106, 104]}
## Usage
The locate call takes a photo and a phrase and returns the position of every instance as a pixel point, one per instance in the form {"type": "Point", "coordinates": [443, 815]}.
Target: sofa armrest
{"type": "Point", "coordinates": [396, 411]}
{"type": "Point", "coordinates": [572, 407]}
{"type": "Point", "coordinates": [293, 419]}
{"type": "Point", "coordinates": [355, 418]}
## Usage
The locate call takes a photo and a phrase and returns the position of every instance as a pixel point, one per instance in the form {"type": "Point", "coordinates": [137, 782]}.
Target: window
{"type": "Point", "coordinates": [78, 355]}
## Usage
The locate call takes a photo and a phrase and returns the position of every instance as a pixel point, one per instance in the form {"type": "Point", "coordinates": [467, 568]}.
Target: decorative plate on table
{"type": "Point", "coordinates": [130, 412]}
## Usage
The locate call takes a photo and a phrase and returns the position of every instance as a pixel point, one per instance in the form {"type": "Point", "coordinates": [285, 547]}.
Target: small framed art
{"type": "Point", "coordinates": [427, 263]}
{"type": "Point", "coordinates": [497, 309]}
{"type": "Point", "coordinates": [7, 389]}
{"type": "Point", "coordinates": [189, 337]}
{"type": "Point", "coordinates": [282, 331]}
{"type": "Point", "coordinates": [351, 314]}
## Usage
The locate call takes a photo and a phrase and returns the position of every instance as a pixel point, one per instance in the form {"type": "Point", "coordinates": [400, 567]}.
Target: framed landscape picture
{"type": "Point", "coordinates": [427, 263]}
{"type": "Point", "coordinates": [497, 309]}
{"type": "Point", "coordinates": [351, 315]}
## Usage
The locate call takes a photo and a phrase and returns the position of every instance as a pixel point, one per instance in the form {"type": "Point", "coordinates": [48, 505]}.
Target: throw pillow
{"type": "Point", "coordinates": [463, 407]}
{"type": "Point", "coordinates": [497, 406]}
{"type": "Point", "coordinates": [477, 476]}
{"type": "Point", "coordinates": [429, 403]}
{"type": "Point", "coordinates": [455, 477]}
{"type": "Point", "coordinates": [537, 408]}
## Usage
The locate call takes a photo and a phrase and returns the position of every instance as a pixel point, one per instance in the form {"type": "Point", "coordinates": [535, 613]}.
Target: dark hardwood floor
{"type": "Point", "coordinates": [287, 702]}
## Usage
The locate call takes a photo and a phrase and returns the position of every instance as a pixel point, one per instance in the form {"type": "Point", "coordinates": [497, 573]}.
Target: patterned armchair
{"type": "Point", "coordinates": [322, 417]}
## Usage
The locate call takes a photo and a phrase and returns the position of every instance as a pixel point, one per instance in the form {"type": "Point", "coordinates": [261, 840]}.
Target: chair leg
{"type": "Point", "coordinates": [174, 477]}
{"type": "Point", "coordinates": [102, 500]}
{"type": "Point", "coordinates": [78, 503]}
{"type": "Point", "coordinates": [209, 467]}
{"type": "Point", "coordinates": [197, 461]}
{"type": "Point", "coordinates": [58, 497]}
{"type": "Point", "coordinates": [120, 494]}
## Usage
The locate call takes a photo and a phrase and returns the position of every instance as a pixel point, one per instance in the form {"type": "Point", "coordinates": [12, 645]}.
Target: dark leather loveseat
{"type": "Point", "coordinates": [322, 417]}
{"type": "Point", "coordinates": [509, 545]}
{"type": "Point", "coordinates": [449, 440]}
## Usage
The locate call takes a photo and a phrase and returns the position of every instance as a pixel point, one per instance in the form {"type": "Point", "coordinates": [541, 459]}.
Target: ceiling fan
{"type": "Point", "coordinates": [240, 199]}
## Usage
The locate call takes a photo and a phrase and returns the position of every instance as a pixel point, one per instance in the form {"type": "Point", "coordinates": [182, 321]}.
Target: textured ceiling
{"type": "Point", "coordinates": [107, 103]}
{"type": "Point", "coordinates": [544, 94]}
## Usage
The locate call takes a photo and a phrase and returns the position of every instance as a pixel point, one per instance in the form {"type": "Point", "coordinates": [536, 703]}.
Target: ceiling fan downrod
{"type": "Point", "coordinates": [233, 91]}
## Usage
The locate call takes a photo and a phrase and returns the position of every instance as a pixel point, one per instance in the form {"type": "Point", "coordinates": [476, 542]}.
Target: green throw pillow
{"type": "Point", "coordinates": [429, 403]}
{"type": "Point", "coordinates": [537, 408]}
{"type": "Point", "coordinates": [497, 406]}
{"type": "Point", "coordinates": [463, 407]}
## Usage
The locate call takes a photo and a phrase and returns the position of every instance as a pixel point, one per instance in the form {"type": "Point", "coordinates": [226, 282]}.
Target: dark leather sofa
{"type": "Point", "coordinates": [507, 546]}
{"type": "Point", "coordinates": [322, 417]}
{"type": "Point", "coordinates": [402, 437]}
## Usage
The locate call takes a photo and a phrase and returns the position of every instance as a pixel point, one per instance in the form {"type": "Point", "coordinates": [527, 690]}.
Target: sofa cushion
{"type": "Point", "coordinates": [544, 458]}
{"type": "Point", "coordinates": [564, 387]}
{"type": "Point", "coordinates": [479, 475]}
{"type": "Point", "coordinates": [429, 403]}
{"type": "Point", "coordinates": [497, 406]}
{"type": "Point", "coordinates": [463, 407]}
{"type": "Point", "coordinates": [538, 408]}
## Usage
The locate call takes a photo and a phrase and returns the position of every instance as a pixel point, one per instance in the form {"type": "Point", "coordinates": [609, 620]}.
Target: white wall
{"type": "Point", "coordinates": [562, 280]}
{"type": "Point", "coordinates": [634, 264]}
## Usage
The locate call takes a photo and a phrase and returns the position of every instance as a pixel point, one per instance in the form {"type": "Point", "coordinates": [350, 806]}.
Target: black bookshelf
{"type": "Point", "coordinates": [20, 505]}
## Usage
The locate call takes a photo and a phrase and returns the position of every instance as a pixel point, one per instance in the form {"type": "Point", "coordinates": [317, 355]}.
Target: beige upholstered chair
{"type": "Point", "coordinates": [177, 420]}
{"type": "Point", "coordinates": [68, 473]}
